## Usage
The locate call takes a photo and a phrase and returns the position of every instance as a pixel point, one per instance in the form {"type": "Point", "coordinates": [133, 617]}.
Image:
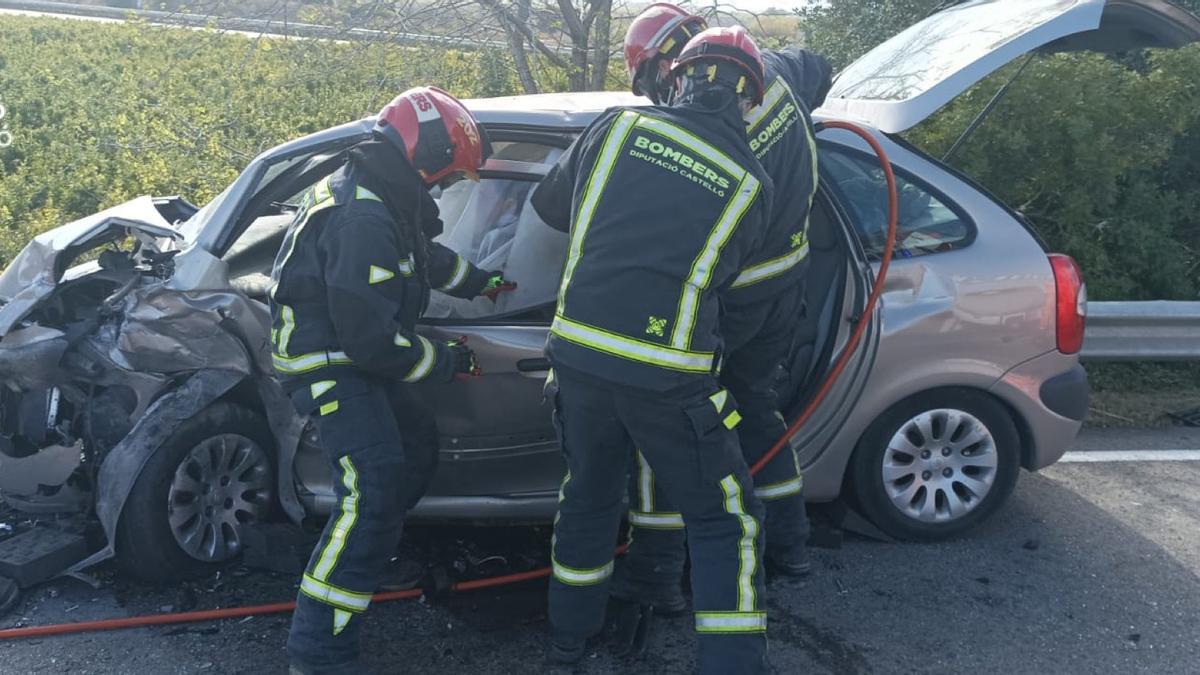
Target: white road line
{"type": "Point", "coordinates": [1132, 456]}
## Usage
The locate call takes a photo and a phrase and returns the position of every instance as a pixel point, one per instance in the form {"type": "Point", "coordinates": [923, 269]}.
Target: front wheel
{"type": "Point", "coordinates": [186, 513]}
{"type": "Point", "coordinates": [936, 464]}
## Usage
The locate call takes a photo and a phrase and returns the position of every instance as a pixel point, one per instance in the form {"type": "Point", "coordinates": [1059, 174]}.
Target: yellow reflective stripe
{"type": "Point", "coordinates": [341, 619]}
{"type": "Point", "coordinates": [771, 268]}
{"type": "Point", "coordinates": [731, 622]}
{"type": "Point", "coordinates": [732, 419]}
{"type": "Point", "coordinates": [329, 594]}
{"type": "Point", "coordinates": [460, 274]}
{"type": "Point", "coordinates": [406, 266]}
{"type": "Point", "coordinates": [320, 198]}
{"type": "Point", "coordinates": [329, 408]}
{"type": "Point", "coordinates": [342, 527]}
{"type": "Point", "coordinates": [361, 192]}
{"type": "Point", "coordinates": [774, 95]}
{"type": "Point", "coordinates": [702, 268]}
{"type": "Point", "coordinates": [631, 348]}
{"type": "Point", "coordinates": [401, 341]}
{"type": "Point", "coordinates": [577, 576]}
{"type": "Point", "coordinates": [781, 489]}
{"type": "Point", "coordinates": [378, 275]}
{"type": "Point", "coordinates": [307, 362]}
{"type": "Point", "coordinates": [421, 370]}
{"type": "Point", "coordinates": [645, 484]}
{"type": "Point", "coordinates": [615, 139]}
{"type": "Point", "coordinates": [656, 521]}
{"type": "Point", "coordinates": [718, 399]}
{"type": "Point", "coordinates": [316, 389]}
{"type": "Point", "coordinates": [288, 317]}
{"type": "Point", "coordinates": [747, 553]}
{"type": "Point", "coordinates": [695, 143]}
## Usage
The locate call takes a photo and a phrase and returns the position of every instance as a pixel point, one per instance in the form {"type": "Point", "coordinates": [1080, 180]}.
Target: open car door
{"type": "Point", "coordinates": [905, 80]}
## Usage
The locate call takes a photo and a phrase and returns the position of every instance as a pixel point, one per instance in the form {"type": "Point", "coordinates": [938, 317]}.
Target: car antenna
{"type": "Point", "coordinates": [983, 114]}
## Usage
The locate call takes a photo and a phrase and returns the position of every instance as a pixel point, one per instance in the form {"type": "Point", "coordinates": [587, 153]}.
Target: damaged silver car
{"type": "Point", "coordinates": [135, 354]}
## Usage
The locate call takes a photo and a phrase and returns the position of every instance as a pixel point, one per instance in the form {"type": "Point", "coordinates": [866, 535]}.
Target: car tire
{"type": "Point", "coordinates": [935, 465]}
{"type": "Point", "coordinates": [184, 514]}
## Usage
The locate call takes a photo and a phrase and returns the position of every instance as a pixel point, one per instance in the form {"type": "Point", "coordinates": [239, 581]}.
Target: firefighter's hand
{"type": "Point", "coordinates": [465, 364]}
{"type": "Point", "coordinates": [496, 285]}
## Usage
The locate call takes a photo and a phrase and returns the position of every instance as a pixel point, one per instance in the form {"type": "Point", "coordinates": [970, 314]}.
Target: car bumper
{"type": "Point", "coordinates": [1049, 395]}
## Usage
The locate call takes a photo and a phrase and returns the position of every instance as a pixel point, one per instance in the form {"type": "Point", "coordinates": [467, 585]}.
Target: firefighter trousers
{"type": "Point", "coordinates": [383, 449]}
{"type": "Point", "coordinates": [688, 439]}
{"type": "Point", "coordinates": [759, 337]}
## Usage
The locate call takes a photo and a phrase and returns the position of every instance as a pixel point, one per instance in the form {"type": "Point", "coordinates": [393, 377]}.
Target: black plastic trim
{"type": "Point", "coordinates": [1067, 394]}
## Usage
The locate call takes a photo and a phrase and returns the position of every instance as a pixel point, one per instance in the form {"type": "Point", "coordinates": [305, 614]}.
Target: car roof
{"type": "Point", "coordinates": [572, 110]}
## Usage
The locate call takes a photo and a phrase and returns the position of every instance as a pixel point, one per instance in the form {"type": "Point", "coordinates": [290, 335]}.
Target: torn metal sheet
{"type": "Point", "coordinates": [39, 267]}
{"type": "Point", "coordinates": [30, 358]}
{"type": "Point", "coordinates": [124, 464]}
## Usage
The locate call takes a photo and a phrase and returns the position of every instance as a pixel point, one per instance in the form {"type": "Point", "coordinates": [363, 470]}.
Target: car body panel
{"type": "Point", "coordinates": [908, 78]}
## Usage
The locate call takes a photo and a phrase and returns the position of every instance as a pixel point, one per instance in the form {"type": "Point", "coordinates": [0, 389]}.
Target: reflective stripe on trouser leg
{"type": "Point", "coordinates": [747, 600]}
{"type": "Point", "coordinates": [783, 488]}
{"type": "Point", "coordinates": [645, 515]}
{"type": "Point", "coordinates": [347, 518]}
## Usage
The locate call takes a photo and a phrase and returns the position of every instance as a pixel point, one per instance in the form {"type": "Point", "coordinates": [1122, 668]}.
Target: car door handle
{"type": "Point", "coordinates": [533, 365]}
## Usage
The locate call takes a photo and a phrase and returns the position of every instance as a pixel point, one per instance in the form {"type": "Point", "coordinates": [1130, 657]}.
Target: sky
{"type": "Point", "coordinates": [760, 5]}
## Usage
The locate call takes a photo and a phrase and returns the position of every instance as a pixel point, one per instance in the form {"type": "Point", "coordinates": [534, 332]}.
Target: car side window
{"type": "Point", "coordinates": [491, 224]}
{"type": "Point", "coordinates": [928, 222]}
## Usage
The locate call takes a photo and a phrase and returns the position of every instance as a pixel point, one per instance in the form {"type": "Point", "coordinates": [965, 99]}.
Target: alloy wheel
{"type": "Point", "coordinates": [223, 484]}
{"type": "Point", "coordinates": [939, 465]}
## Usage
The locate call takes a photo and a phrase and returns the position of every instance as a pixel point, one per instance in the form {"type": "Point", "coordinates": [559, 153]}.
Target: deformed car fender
{"type": "Point", "coordinates": [123, 465]}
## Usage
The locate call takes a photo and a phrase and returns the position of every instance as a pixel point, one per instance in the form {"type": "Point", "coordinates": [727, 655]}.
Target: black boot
{"type": "Point", "coordinates": [790, 562]}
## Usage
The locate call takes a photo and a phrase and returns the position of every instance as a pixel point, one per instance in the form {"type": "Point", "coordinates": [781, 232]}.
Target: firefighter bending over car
{"type": "Point", "coordinates": [764, 306]}
{"type": "Point", "coordinates": [666, 207]}
{"type": "Point", "coordinates": [351, 280]}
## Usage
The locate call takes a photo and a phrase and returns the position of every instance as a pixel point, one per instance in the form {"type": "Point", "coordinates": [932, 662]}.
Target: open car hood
{"type": "Point", "coordinates": [905, 80]}
{"type": "Point", "coordinates": [37, 269]}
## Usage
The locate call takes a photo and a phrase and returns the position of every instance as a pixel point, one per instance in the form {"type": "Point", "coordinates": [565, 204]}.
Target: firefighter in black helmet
{"type": "Point", "coordinates": [764, 307]}
{"type": "Point", "coordinates": [350, 282]}
{"type": "Point", "coordinates": [665, 206]}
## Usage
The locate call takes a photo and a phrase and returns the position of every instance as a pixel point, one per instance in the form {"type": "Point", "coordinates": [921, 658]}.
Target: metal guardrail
{"type": "Point", "coordinates": [249, 26]}
{"type": "Point", "coordinates": [1158, 330]}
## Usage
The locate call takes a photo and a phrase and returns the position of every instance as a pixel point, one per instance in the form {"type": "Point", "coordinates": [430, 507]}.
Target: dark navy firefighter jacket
{"type": "Point", "coordinates": [352, 279]}
{"type": "Point", "coordinates": [665, 205]}
{"type": "Point", "coordinates": [781, 137]}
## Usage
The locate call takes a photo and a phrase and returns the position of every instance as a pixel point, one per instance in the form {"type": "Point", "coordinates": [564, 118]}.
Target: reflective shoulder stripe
{"type": "Point", "coordinates": [631, 348]}
{"type": "Point", "coordinates": [460, 274]}
{"type": "Point", "coordinates": [332, 595]}
{"type": "Point", "coordinates": [702, 268]}
{"type": "Point", "coordinates": [657, 520]}
{"type": "Point", "coordinates": [308, 362]}
{"type": "Point", "coordinates": [693, 142]}
{"type": "Point", "coordinates": [779, 490]}
{"type": "Point", "coordinates": [747, 552]}
{"type": "Point", "coordinates": [573, 576]}
{"type": "Point", "coordinates": [618, 131]}
{"type": "Point", "coordinates": [361, 192]}
{"type": "Point", "coordinates": [421, 370]}
{"type": "Point", "coordinates": [775, 93]}
{"type": "Point", "coordinates": [772, 268]}
{"type": "Point", "coordinates": [731, 622]}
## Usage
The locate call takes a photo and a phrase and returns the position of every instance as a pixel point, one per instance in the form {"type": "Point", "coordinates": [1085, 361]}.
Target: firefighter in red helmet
{"type": "Point", "coordinates": [664, 206]}
{"type": "Point", "coordinates": [349, 283]}
{"type": "Point", "coordinates": [764, 307]}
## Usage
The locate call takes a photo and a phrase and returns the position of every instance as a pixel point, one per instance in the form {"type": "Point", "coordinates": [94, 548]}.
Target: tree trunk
{"type": "Point", "coordinates": [516, 43]}
{"type": "Point", "coordinates": [601, 45]}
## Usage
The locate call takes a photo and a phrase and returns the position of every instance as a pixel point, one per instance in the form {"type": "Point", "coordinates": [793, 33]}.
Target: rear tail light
{"type": "Point", "coordinates": [1070, 299]}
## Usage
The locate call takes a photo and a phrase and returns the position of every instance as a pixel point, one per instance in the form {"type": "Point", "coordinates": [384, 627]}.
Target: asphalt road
{"type": "Point", "coordinates": [1093, 567]}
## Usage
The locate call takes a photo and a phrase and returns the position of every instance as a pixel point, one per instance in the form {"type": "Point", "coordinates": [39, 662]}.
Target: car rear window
{"type": "Point", "coordinates": [929, 222]}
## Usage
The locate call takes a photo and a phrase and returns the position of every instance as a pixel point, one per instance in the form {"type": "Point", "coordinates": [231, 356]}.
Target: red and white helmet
{"type": "Point", "coordinates": [726, 55]}
{"type": "Point", "coordinates": [653, 40]}
{"type": "Point", "coordinates": [436, 132]}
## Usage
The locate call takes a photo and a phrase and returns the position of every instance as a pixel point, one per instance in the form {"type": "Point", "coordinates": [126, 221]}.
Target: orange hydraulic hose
{"type": "Point", "coordinates": [491, 582]}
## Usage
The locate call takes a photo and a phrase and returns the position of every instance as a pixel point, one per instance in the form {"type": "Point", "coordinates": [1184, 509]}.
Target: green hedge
{"type": "Point", "coordinates": [1102, 154]}
{"type": "Point", "coordinates": [100, 113]}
